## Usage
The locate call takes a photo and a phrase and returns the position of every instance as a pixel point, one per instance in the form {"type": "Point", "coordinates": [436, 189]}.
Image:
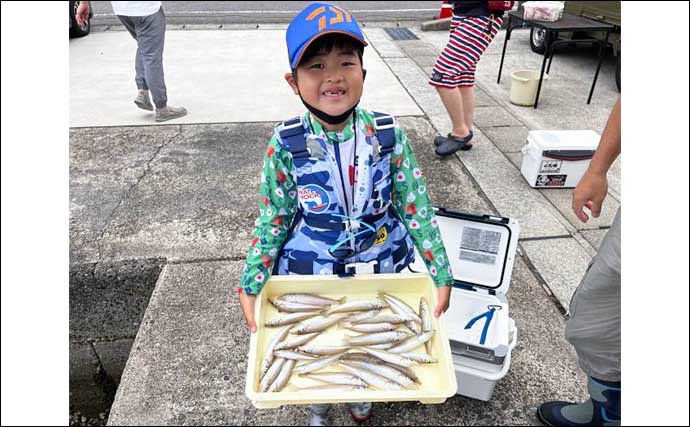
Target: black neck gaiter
{"type": "Point", "coordinates": [331, 120]}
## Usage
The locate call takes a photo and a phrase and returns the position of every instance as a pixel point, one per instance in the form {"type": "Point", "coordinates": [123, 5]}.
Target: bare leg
{"type": "Point", "coordinates": [467, 93]}
{"type": "Point", "coordinates": [453, 101]}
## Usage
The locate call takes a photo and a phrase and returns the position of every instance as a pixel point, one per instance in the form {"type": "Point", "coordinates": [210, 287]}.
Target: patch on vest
{"type": "Point", "coordinates": [381, 236]}
{"type": "Point", "coordinates": [314, 198]}
{"type": "Point", "coordinates": [436, 76]}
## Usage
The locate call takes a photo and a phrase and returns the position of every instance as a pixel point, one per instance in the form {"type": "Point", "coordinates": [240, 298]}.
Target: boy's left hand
{"type": "Point", "coordinates": [443, 300]}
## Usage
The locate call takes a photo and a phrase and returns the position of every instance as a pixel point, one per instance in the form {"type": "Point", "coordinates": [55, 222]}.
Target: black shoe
{"type": "Point", "coordinates": [441, 139]}
{"type": "Point", "coordinates": [450, 144]}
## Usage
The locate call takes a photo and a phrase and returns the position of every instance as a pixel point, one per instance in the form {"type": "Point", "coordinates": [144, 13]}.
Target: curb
{"type": "Point", "coordinates": [436, 25]}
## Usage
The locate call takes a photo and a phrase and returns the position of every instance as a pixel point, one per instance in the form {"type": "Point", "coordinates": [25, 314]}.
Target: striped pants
{"type": "Point", "coordinates": [469, 38]}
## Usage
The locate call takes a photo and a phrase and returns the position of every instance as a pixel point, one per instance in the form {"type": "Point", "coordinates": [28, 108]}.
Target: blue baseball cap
{"type": "Point", "coordinates": [314, 21]}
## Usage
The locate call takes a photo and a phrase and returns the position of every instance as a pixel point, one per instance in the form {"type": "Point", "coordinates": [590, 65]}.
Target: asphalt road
{"type": "Point", "coordinates": [249, 12]}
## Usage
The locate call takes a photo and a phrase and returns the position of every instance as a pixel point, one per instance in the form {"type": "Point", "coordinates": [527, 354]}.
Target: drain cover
{"type": "Point", "coordinates": [401, 33]}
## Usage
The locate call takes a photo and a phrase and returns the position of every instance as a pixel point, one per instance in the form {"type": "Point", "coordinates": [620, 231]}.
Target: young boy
{"type": "Point", "coordinates": [340, 187]}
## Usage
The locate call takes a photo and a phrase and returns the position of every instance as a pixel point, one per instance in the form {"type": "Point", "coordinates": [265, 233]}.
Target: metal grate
{"type": "Point", "coordinates": [401, 33]}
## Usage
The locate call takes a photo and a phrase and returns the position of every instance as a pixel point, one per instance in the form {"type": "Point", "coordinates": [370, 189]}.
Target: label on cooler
{"type": "Point", "coordinates": [550, 180]}
{"type": "Point", "coordinates": [478, 245]}
{"type": "Point", "coordinates": [550, 166]}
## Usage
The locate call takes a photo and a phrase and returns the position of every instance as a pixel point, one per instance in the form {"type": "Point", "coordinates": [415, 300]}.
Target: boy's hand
{"type": "Point", "coordinates": [82, 13]}
{"type": "Point", "coordinates": [590, 192]}
{"type": "Point", "coordinates": [443, 300]}
{"type": "Point", "coordinates": [247, 304]}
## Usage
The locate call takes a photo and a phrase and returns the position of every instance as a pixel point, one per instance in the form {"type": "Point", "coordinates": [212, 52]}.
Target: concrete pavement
{"type": "Point", "coordinates": [187, 193]}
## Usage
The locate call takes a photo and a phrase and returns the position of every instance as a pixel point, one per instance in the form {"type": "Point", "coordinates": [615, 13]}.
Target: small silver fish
{"type": "Point", "coordinates": [384, 346]}
{"type": "Point", "coordinates": [399, 306]}
{"type": "Point", "coordinates": [317, 364]}
{"type": "Point", "coordinates": [286, 319]}
{"type": "Point", "coordinates": [283, 377]}
{"type": "Point", "coordinates": [427, 323]}
{"type": "Point", "coordinates": [331, 387]}
{"type": "Point", "coordinates": [386, 372]}
{"type": "Point", "coordinates": [268, 356]}
{"type": "Point", "coordinates": [271, 374]}
{"type": "Point", "coordinates": [375, 360]}
{"type": "Point", "coordinates": [362, 315]}
{"type": "Point", "coordinates": [293, 307]}
{"type": "Point", "coordinates": [371, 378]}
{"type": "Point", "coordinates": [393, 358]}
{"type": "Point", "coordinates": [323, 350]}
{"type": "Point", "coordinates": [370, 327]}
{"type": "Point", "coordinates": [319, 324]}
{"type": "Point", "coordinates": [414, 326]}
{"type": "Point", "coordinates": [384, 318]}
{"type": "Point", "coordinates": [357, 306]}
{"type": "Point", "coordinates": [376, 338]}
{"type": "Point", "coordinates": [412, 342]}
{"type": "Point", "coordinates": [310, 299]}
{"type": "Point", "coordinates": [293, 355]}
{"type": "Point", "coordinates": [335, 378]}
{"type": "Point", "coordinates": [419, 357]}
{"type": "Point", "coordinates": [296, 341]}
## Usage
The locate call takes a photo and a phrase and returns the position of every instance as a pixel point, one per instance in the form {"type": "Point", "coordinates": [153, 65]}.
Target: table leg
{"type": "Point", "coordinates": [505, 43]}
{"type": "Point", "coordinates": [547, 53]}
{"type": "Point", "coordinates": [596, 73]}
{"type": "Point", "coordinates": [548, 69]}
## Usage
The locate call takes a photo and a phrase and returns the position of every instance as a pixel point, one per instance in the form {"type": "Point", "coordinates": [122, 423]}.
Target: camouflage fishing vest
{"type": "Point", "coordinates": [321, 220]}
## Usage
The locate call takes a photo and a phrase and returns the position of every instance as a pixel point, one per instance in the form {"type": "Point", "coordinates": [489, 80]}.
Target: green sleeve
{"type": "Point", "coordinates": [276, 211]}
{"type": "Point", "coordinates": [411, 201]}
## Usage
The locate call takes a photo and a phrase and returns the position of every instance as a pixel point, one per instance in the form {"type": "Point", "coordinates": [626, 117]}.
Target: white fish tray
{"type": "Point", "coordinates": [438, 380]}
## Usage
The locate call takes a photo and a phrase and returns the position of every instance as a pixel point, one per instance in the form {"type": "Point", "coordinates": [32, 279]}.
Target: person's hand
{"type": "Point", "coordinates": [443, 300]}
{"type": "Point", "coordinates": [590, 192]}
{"type": "Point", "coordinates": [247, 304]}
{"type": "Point", "coordinates": [82, 14]}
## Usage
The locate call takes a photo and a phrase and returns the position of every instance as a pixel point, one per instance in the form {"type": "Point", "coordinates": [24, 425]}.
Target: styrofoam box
{"type": "Point", "coordinates": [438, 381]}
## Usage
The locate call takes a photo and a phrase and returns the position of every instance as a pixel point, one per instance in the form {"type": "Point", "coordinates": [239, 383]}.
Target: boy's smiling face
{"type": "Point", "coordinates": [331, 82]}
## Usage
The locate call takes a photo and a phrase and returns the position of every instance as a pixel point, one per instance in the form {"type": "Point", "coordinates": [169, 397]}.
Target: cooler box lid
{"type": "Point", "coordinates": [481, 249]}
{"type": "Point", "coordinates": [543, 140]}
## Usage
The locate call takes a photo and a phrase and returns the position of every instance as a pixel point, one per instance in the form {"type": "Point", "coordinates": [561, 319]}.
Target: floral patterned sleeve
{"type": "Point", "coordinates": [277, 209]}
{"type": "Point", "coordinates": [411, 200]}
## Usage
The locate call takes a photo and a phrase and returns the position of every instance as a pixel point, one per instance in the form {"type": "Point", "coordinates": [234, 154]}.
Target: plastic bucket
{"type": "Point", "coordinates": [523, 87]}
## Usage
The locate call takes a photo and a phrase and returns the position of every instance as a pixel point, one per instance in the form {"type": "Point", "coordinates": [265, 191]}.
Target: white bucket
{"type": "Point", "coordinates": [523, 87]}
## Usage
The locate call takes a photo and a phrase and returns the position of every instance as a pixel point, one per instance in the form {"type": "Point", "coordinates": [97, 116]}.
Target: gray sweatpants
{"type": "Point", "coordinates": [594, 326]}
{"type": "Point", "coordinates": [149, 32]}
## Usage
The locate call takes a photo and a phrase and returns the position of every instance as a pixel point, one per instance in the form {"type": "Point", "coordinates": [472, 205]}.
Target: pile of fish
{"type": "Point", "coordinates": [380, 357]}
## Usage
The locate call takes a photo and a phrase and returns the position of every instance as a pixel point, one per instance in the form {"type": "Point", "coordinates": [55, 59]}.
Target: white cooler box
{"type": "Point", "coordinates": [557, 158]}
{"type": "Point", "coordinates": [481, 333]}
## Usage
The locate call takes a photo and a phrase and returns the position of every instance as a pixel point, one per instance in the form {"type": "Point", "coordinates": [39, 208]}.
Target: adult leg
{"type": "Point", "coordinates": [150, 31]}
{"type": "Point", "coordinates": [594, 330]}
{"type": "Point", "coordinates": [140, 78]}
{"type": "Point", "coordinates": [594, 326]}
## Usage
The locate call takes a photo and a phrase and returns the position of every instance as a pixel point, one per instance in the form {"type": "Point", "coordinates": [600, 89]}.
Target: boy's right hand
{"type": "Point", "coordinates": [247, 303]}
